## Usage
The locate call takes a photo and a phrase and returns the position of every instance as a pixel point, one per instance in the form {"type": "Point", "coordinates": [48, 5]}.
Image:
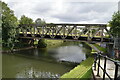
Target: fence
{"type": "Point", "coordinates": [98, 57]}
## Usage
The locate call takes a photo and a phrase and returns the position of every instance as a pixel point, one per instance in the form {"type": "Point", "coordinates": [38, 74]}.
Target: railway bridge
{"type": "Point", "coordinates": [77, 32]}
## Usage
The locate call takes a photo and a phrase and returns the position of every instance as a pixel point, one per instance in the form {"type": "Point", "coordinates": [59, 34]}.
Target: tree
{"type": "Point", "coordinates": [40, 22]}
{"type": "Point", "coordinates": [115, 31]}
{"type": "Point", "coordinates": [115, 24]}
{"type": "Point", "coordinates": [9, 24]}
{"type": "Point", "coordinates": [25, 20]}
{"type": "Point", "coordinates": [41, 42]}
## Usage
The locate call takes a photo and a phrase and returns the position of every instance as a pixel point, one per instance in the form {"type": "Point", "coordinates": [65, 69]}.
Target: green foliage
{"type": "Point", "coordinates": [23, 43]}
{"type": "Point", "coordinates": [0, 23]}
{"type": "Point", "coordinates": [115, 24]}
{"type": "Point", "coordinates": [93, 31]}
{"type": "Point", "coordinates": [9, 24]}
{"type": "Point", "coordinates": [41, 43]}
{"type": "Point", "coordinates": [81, 71]}
{"type": "Point", "coordinates": [87, 75]}
{"type": "Point", "coordinates": [104, 50]}
{"type": "Point", "coordinates": [25, 20]}
{"type": "Point", "coordinates": [40, 22]}
{"type": "Point", "coordinates": [53, 43]}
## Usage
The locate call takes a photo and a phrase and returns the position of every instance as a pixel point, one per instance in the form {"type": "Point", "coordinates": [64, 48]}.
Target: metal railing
{"type": "Point", "coordinates": [97, 60]}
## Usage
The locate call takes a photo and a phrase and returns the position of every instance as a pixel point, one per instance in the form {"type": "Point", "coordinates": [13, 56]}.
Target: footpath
{"type": "Point", "coordinates": [110, 68]}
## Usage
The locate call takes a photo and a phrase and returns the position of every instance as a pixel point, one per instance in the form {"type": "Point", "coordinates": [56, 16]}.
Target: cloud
{"type": "Point", "coordinates": [77, 12]}
{"type": "Point", "coordinates": [59, 11]}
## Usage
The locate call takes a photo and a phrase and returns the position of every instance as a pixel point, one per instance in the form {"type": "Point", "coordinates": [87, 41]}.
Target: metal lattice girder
{"type": "Point", "coordinates": [108, 32]}
{"type": "Point", "coordinates": [52, 31]}
{"type": "Point", "coordinates": [63, 32]}
{"type": "Point", "coordinates": [74, 31]}
{"type": "Point", "coordinates": [58, 30]}
{"type": "Point", "coordinates": [32, 31]}
{"type": "Point", "coordinates": [94, 34]}
{"type": "Point", "coordinates": [83, 31]}
{"type": "Point", "coordinates": [23, 30]}
{"type": "Point", "coordinates": [71, 30]}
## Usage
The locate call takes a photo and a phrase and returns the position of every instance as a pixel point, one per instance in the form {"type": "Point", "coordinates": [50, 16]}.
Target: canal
{"type": "Point", "coordinates": [43, 63]}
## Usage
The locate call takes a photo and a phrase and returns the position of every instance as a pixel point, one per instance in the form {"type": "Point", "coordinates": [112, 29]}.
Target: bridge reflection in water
{"type": "Point", "coordinates": [81, 32]}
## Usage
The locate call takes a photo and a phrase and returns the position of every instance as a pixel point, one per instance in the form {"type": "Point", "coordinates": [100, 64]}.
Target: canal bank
{"type": "Point", "coordinates": [18, 49]}
{"type": "Point", "coordinates": [81, 71]}
{"type": "Point", "coordinates": [49, 43]}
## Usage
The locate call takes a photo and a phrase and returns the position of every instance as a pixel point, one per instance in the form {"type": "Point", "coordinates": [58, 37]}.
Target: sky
{"type": "Point", "coordinates": [65, 11]}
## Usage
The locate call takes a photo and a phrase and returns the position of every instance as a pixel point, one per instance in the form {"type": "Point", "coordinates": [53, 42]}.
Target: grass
{"type": "Point", "coordinates": [50, 43]}
{"type": "Point", "coordinates": [93, 50]}
{"type": "Point", "coordinates": [100, 48]}
{"type": "Point", "coordinates": [53, 43]}
{"type": "Point", "coordinates": [35, 42]}
{"type": "Point", "coordinates": [81, 71]}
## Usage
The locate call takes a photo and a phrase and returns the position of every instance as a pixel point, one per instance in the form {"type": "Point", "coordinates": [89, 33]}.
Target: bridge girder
{"type": "Point", "coordinates": [75, 31]}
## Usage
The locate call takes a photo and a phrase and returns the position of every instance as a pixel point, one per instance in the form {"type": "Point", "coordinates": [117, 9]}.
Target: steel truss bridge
{"type": "Point", "coordinates": [78, 32]}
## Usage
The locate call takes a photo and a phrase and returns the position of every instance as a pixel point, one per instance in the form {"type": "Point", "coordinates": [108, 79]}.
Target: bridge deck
{"type": "Point", "coordinates": [81, 38]}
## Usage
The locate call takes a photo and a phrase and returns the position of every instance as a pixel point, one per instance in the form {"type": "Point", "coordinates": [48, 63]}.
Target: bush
{"type": "Point", "coordinates": [41, 43]}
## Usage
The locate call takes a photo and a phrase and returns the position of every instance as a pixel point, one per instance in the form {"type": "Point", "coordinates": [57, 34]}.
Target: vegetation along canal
{"type": "Point", "coordinates": [43, 63]}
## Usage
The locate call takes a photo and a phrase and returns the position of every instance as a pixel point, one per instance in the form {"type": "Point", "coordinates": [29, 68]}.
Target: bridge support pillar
{"type": "Point", "coordinates": [110, 50]}
{"type": "Point", "coordinates": [117, 47]}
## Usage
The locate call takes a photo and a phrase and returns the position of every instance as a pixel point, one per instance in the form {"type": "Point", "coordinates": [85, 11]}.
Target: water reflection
{"type": "Point", "coordinates": [32, 73]}
{"type": "Point", "coordinates": [70, 54]}
{"type": "Point", "coordinates": [36, 53]}
{"type": "Point", "coordinates": [41, 63]}
{"type": "Point", "coordinates": [18, 66]}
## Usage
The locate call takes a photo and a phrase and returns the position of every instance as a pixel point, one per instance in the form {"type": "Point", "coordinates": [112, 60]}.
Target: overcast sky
{"type": "Point", "coordinates": [68, 11]}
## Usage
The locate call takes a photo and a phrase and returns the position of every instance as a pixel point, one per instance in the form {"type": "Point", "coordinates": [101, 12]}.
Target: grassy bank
{"type": "Point", "coordinates": [45, 43]}
{"type": "Point", "coordinates": [53, 43]}
{"type": "Point", "coordinates": [17, 46]}
{"type": "Point", "coordinates": [82, 71]}
{"type": "Point", "coordinates": [98, 47]}
{"type": "Point", "coordinates": [92, 49]}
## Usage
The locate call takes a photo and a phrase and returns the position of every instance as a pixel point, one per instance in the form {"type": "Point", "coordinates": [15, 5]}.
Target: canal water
{"type": "Point", "coordinates": [43, 63]}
